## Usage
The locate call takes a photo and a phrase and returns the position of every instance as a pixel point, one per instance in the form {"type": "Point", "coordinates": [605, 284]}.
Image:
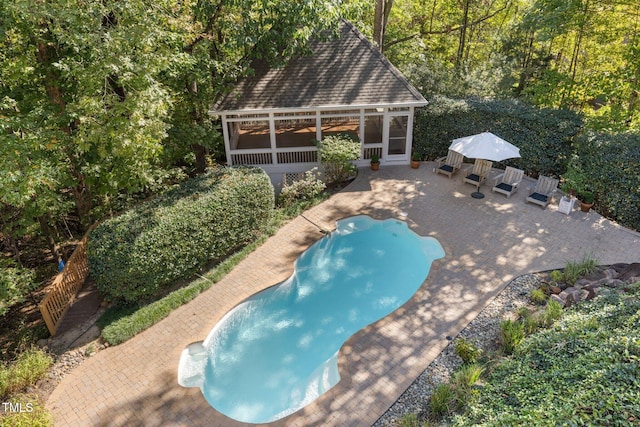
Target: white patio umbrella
{"type": "Point", "coordinates": [485, 146]}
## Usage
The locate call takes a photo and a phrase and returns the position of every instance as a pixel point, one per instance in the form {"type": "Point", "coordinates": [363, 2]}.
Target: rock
{"type": "Point", "coordinates": [619, 267]}
{"type": "Point", "coordinates": [632, 270]}
{"type": "Point", "coordinates": [580, 283]}
{"type": "Point", "coordinates": [555, 290]}
{"type": "Point", "coordinates": [42, 343]}
{"type": "Point", "coordinates": [583, 295]}
{"type": "Point", "coordinates": [610, 273]}
{"type": "Point", "coordinates": [593, 289]}
{"type": "Point", "coordinates": [558, 299]}
{"type": "Point", "coordinates": [615, 283]}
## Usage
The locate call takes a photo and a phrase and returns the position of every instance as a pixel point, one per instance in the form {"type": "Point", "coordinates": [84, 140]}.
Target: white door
{"type": "Point", "coordinates": [397, 132]}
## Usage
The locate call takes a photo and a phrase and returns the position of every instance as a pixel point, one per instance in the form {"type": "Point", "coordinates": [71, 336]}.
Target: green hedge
{"type": "Point", "coordinates": [544, 136]}
{"type": "Point", "coordinates": [134, 256]}
{"type": "Point", "coordinates": [611, 165]}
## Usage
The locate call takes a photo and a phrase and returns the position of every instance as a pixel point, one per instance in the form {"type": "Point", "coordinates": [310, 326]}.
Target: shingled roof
{"type": "Point", "coordinates": [342, 71]}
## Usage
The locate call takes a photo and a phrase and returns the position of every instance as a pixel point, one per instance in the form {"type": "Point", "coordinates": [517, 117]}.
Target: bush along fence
{"type": "Point", "coordinates": [135, 256]}
{"type": "Point", "coordinates": [65, 286]}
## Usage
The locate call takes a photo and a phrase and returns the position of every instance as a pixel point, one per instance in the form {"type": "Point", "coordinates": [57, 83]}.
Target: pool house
{"type": "Point", "coordinates": [271, 118]}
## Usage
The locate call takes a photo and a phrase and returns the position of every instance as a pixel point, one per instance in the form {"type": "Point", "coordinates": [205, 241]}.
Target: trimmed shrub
{"type": "Point", "coordinates": [609, 162]}
{"type": "Point", "coordinates": [544, 136]}
{"type": "Point", "coordinates": [306, 188]}
{"type": "Point", "coordinates": [134, 256]}
{"type": "Point", "coordinates": [15, 283]}
{"type": "Point", "coordinates": [336, 154]}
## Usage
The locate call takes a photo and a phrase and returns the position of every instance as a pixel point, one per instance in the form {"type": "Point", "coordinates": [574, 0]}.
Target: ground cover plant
{"type": "Point", "coordinates": [134, 256]}
{"type": "Point", "coordinates": [15, 378]}
{"type": "Point", "coordinates": [583, 370]}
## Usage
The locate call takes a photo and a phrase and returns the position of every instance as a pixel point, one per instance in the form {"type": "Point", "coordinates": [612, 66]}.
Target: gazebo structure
{"type": "Point", "coordinates": [271, 118]}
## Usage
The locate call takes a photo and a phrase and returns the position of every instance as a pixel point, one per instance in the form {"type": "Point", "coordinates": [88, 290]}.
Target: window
{"type": "Point", "coordinates": [249, 134]}
{"type": "Point", "coordinates": [295, 132]}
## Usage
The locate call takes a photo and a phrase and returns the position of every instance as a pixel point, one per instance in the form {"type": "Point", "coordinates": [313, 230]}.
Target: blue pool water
{"type": "Point", "coordinates": [277, 351]}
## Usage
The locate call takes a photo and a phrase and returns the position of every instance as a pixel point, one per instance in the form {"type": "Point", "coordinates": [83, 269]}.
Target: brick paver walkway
{"type": "Point", "coordinates": [488, 242]}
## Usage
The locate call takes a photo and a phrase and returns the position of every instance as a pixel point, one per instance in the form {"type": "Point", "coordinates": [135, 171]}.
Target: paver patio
{"type": "Point", "coordinates": [488, 242]}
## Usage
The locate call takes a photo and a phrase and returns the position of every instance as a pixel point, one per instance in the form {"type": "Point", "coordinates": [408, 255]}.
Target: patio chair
{"type": "Point", "coordinates": [450, 164]}
{"type": "Point", "coordinates": [542, 192]}
{"type": "Point", "coordinates": [507, 182]}
{"type": "Point", "coordinates": [479, 173]}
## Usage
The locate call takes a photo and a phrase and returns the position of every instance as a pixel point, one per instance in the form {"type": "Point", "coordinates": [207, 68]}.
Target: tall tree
{"type": "Point", "coordinates": [380, 21]}
{"type": "Point", "coordinates": [83, 111]}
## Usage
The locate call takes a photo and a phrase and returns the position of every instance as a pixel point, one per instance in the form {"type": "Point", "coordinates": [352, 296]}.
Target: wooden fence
{"type": "Point", "coordinates": [65, 286]}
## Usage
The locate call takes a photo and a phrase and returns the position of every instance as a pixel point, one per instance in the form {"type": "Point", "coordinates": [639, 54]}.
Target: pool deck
{"type": "Point", "coordinates": [488, 242]}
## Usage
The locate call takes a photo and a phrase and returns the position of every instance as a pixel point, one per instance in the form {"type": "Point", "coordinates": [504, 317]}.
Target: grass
{"type": "Point", "coordinates": [120, 323]}
{"type": "Point", "coordinates": [30, 366]}
{"type": "Point", "coordinates": [573, 270]}
{"type": "Point", "coordinates": [538, 296]}
{"type": "Point", "coordinates": [33, 414]}
{"type": "Point", "coordinates": [511, 335]}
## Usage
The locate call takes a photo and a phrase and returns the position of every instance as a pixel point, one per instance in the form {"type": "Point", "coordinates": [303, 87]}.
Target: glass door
{"type": "Point", "coordinates": [396, 148]}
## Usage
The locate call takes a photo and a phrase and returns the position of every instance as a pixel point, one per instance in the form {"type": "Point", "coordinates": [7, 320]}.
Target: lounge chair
{"type": "Point", "coordinates": [450, 164]}
{"type": "Point", "coordinates": [507, 183]}
{"type": "Point", "coordinates": [542, 192]}
{"type": "Point", "coordinates": [479, 173]}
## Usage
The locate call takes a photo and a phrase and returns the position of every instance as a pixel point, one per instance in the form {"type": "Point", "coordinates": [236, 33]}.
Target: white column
{"type": "Point", "coordinates": [409, 142]}
{"type": "Point", "coordinates": [361, 134]}
{"type": "Point", "coordinates": [272, 137]}
{"type": "Point", "coordinates": [225, 134]}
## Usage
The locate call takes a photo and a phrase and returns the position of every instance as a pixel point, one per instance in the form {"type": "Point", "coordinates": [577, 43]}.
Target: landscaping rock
{"type": "Point", "coordinates": [555, 290]}
{"type": "Point", "coordinates": [631, 273]}
{"type": "Point", "coordinates": [558, 299]}
{"type": "Point", "coordinates": [615, 283]}
{"type": "Point", "coordinates": [580, 283]}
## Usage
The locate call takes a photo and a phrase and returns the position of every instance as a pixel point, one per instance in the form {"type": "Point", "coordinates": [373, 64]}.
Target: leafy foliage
{"type": "Point", "coordinates": [119, 323]}
{"type": "Point", "coordinates": [444, 400]}
{"type": "Point", "coordinates": [30, 366]}
{"type": "Point", "coordinates": [34, 414]}
{"type": "Point", "coordinates": [15, 283]}
{"type": "Point", "coordinates": [610, 162]}
{"type": "Point", "coordinates": [582, 371]}
{"type": "Point", "coordinates": [468, 351]}
{"type": "Point", "coordinates": [135, 255]}
{"type": "Point", "coordinates": [544, 136]}
{"type": "Point", "coordinates": [511, 335]}
{"type": "Point", "coordinates": [336, 154]}
{"type": "Point", "coordinates": [306, 188]}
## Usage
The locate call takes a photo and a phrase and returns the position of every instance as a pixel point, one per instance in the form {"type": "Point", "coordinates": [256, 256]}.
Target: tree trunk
{"type": "Point", "coordinates": [463, 33]}
{"type": "Point", "coordinates": [199, 150]}
{"type": "Point", "coordinates": [380, 20]}
{"type": "Point", "coordinates": [46, 231]}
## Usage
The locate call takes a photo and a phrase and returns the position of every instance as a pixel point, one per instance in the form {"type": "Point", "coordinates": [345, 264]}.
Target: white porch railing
{"type": "Point", "coordinates": [371, 149]}
{"type": "Point", "coordinates": [257, 156]}
{"type": "Point", "coordinates": [265, 156]}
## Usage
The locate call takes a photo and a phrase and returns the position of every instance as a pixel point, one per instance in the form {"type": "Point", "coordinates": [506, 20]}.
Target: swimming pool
{"type": "Point", "coordinates": [277, 351]}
